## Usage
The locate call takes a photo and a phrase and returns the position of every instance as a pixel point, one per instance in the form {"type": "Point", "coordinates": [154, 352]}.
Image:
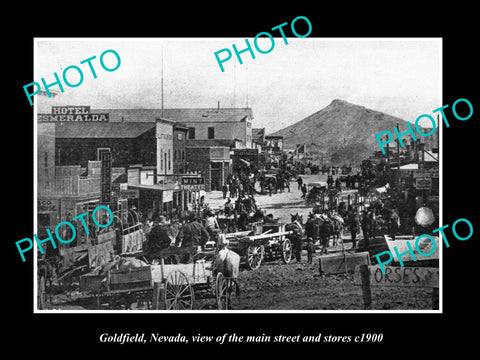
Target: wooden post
{"type": "Point", "coordinates": [157, 291]}
{"type": "Point", "coordinates": [367, 295]}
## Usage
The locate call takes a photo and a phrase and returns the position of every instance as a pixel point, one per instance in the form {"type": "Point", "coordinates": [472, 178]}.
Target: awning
{"type": "Point", "coordinates": [156, 187]}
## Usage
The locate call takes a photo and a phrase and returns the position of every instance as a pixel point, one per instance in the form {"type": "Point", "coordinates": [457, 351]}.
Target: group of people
{"type": "Point", "coordinates": [239, 185]}
{"type": "Point", "coordinates": [365, 221]}
{"type": "Point", "coordinates": [184, 238]}
{"type": "Point", "coordinates": [274, 183]}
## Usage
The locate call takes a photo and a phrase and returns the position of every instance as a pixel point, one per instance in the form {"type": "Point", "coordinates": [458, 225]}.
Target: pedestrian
{"type": "Point", "coordinates": [233, 190]}
{"type": "Point", "coordinates": [310, 250]}
{"type": "Point", "coordinates": [367, 223]}
{"type": "Point", "coordinates": [299, 182]}
{"type": "Point", "coordinates": [287, 184]}
{"type": "Point", "coordinates": [304, 191]}
{"type": "Point", "coordinates": [224, 190]}
{"type": "Point", "coordinates": [338, 184]}
{"type": "Point", "coordinates": [296, 239]}
{"type": "Point", "coordinates": [353, 226]}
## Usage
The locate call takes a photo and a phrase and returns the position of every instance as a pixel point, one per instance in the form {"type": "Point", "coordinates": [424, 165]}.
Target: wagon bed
{"type": "Point", "coordinates": [167, 286]}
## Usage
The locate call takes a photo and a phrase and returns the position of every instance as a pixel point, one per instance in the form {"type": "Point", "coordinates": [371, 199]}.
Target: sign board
{"type": "Point", "coordinates": [128, 194]}
{"type": "Point", "coordinates": [193, 183]}
{"type": "Point", "coordinates": [106, 176]}
{"type": "Point", "coordinates": [423, 183]}
{"type": "Point", "coordinates": [424, 244]}
{"type": "Point", "coordinates": [400, 276]}
{"type": "Point", "coordinates": [167, 196]}
{"type": "Point", "coordinates": [426, 173]}
{"type": "Point", "coordinates": [368, 276]}
{"type": "Point", "coordinates": [72, 114]}
{"type": "Point", "coordinates": [47, 205]}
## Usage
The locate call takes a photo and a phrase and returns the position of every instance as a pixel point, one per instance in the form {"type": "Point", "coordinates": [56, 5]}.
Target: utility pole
{"type": "Point", "coordinates": [398, 159]}
{"type": "Point", "coordinates": [162, 82]}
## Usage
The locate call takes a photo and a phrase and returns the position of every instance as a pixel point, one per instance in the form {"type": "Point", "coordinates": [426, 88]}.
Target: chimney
{"type": "Point", "coordinates": [218, 108]}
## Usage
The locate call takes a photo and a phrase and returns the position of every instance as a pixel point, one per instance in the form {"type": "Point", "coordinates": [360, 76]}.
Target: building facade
{"type": "Point", "coordinates": [203, 123]}
{"type": "Point", "coordinates": [212, 163]}
{"type": "Point", "coordinates": [179, 143]}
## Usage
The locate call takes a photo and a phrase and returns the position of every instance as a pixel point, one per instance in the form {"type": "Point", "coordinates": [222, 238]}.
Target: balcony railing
{"type": "Point", "coordinates": [71, 185]}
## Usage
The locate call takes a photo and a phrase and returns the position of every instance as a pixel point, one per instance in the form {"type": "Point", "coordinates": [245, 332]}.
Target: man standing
{"type": "Point", "coordinates": [224, 190]}
{"type": "Point", "coordinates": [353, 226]}
{"type": "Point", "coordinates": [299, 182]}
{"type": "Point", "coordinates": [304, 191]}
{"type": "Point", "coordinates": [296, 239]}
{"type": "Point", "coordinates": [367, 225]}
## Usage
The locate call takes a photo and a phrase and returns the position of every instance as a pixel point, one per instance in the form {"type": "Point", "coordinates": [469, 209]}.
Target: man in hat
{"type": "Point", "coordinates": [353, 226]}
{"type": "Point", "coordinates": [192, 235]}
{"type": "Point", "coordinates": [367, 222]}
{"type": "Point", "coordinates": [211, 224]}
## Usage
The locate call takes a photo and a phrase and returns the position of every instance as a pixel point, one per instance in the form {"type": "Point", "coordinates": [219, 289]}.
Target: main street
{"type": "Point", "coordinates": [281, 204]}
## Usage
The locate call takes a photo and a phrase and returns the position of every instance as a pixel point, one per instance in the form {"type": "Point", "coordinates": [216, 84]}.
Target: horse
{"type": "Point", "coordinates": [227, 262]}
{"type": "Point", "coordinates": [337, 226]}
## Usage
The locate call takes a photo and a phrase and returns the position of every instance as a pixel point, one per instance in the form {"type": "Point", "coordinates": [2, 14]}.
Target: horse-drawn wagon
{"type": "Point", "coordinates": [316, 192]}
{"type": "Point", "coordinates": [269, 241]}
{"type": "Point", "coordinates": [159, 286]}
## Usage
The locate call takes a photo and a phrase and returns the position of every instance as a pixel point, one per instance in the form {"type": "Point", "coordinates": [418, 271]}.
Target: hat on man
{"type": "Point", "coordinates": [162, 219]}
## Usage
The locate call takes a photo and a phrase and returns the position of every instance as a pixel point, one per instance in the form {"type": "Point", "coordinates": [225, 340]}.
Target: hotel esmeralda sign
{"type": "Point", "coordinates": [72, 113]}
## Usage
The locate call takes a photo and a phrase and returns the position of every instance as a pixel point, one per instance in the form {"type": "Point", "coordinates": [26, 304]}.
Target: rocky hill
{"type": "Point", "coordinates": [344, 133]}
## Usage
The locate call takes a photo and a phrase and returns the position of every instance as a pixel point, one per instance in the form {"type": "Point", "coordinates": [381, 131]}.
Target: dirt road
{"type": "Point", "coordinates": [294, 286]}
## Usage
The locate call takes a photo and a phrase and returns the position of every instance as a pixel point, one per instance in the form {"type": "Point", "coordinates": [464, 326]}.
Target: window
{"type": "Point", "coordinates": [161, 159]}
{"type": "Point", "coordinates": [211, 133]}
{"type": "Point", "coordinates": [191, 133]}
{"type": "Point", "coordinates": [169, 160]}
{"type": "Point", "coordinates": [183, 154]}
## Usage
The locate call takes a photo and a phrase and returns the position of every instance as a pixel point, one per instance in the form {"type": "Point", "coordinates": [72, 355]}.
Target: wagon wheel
{"type": "Point", "coordinates": [255, 256]}
{"type": "Point", "coordinates": [221, 292]}
{"type": "Point", "coordinates": [178, 292]}
{"type": "Point", "coordinates": [287, 251]}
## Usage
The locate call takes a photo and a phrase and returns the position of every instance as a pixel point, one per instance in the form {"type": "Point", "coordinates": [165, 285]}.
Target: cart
{"type": "Point", "coordinates": [159, 286]}
{"type": "Point", "coordinates": [271, 243]}
{"type": "Point", "coordinates": [316, 193]}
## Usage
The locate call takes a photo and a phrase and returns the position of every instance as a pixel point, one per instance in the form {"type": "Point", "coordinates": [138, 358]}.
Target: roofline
{"type": "Point", "coordinates": [165, 121]}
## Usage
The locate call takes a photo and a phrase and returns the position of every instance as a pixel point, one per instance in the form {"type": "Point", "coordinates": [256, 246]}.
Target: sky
{"type": "Point", "coordinates": [400, 77]}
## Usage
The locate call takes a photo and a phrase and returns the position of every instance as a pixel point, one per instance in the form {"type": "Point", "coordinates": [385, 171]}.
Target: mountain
{"type": "Point", "coordinates": [344, 133]}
